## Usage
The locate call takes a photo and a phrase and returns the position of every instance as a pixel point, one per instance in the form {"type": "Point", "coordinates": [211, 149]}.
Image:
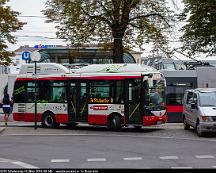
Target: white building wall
{"type": "Point", "coordinates": [206, 77]}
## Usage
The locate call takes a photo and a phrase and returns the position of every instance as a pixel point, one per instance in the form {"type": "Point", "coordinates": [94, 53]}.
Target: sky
{"type": "Point", "coordinates": [36, 31]}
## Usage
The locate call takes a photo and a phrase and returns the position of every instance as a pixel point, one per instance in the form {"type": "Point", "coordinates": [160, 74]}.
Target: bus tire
{"type": "Point", "coordinates": [115, 123]}
{"type": "Point", "coordinates": [49, 120]}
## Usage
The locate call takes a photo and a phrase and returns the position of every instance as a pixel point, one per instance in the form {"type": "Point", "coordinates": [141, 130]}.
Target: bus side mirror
{"type": "Point", "coordinates": [193, 105]}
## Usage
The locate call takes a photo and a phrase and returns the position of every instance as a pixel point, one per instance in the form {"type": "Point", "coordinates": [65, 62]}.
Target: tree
{"type": "Point", "coordinates": [199, 34]}
{"type": "Point", "coordinates": [8, 24]}
{"type": "Point", "coordinates": [120, 22]}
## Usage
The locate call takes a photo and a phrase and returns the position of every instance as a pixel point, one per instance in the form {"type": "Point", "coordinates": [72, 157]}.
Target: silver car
{"type": "Point", "coordinates": [199, 110]}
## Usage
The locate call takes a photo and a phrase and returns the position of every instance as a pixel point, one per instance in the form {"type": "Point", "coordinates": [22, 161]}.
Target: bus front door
{"type": "Point", "coordinates": [78, 101]}
{"type": "Point", "coordinates": [133, 115]}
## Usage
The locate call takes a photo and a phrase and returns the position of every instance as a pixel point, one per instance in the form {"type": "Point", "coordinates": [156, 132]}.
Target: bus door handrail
{"type": "Point", "coordinates": [134, 110]}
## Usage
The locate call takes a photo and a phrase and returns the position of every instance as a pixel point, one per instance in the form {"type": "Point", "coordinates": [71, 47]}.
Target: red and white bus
{"type": "Point", "coordinates": [112, 95]}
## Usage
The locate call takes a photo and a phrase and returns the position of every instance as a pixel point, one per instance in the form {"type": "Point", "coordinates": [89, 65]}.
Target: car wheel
{"type": "Point", "coordinates": [186, 125]}
{"type": "Point", "coordinates": [199, 131]}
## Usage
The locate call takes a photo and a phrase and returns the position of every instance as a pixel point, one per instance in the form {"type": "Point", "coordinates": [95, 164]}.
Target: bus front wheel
{"type": "Point", "coordinates": [49, 120]}
{"type": "Point", "coordinates": [115, 123]}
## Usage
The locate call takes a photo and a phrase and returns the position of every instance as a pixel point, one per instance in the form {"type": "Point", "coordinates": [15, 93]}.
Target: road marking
{"type": "Point", "coordinates": [4, 160]}
{"type": "Point", "coordinates": [96, 159]}
{"type": "Point", "coordinates": [133, 158]}
{"type": "Point", "coordinates": [169, 157]}
{"type": "Point", "coordinates": [182, 167]}
{"type": "Point", "coordinates": [60, 160]}
{"type": "Point", "coordinates": [205, 157]}
{"type": "Point", "coordinates": [16, 162]}
{"type": "Point", "coordinates": [24, 165]}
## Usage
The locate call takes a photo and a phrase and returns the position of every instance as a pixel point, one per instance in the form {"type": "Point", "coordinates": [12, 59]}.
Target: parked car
{"type": "Point", "coordinates": [199, 110]}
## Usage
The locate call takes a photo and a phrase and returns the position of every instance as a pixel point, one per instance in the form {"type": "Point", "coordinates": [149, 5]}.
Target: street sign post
{"type": "Point", "coordinates": [35, 56]}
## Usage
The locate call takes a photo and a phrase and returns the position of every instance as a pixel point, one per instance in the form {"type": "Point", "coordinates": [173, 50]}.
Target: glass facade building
{"type": "Point", "coordinates": [67, 56]}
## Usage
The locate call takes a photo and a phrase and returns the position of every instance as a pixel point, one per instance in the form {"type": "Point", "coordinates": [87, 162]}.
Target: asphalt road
{"type": "Point", "coordinates": [167, 146]}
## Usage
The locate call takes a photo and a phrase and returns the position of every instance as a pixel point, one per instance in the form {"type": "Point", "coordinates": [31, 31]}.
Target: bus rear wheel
{"type": "Point", "coordinates": [115, 123]}
{"type": "Point", "coordinates": [49, 120]}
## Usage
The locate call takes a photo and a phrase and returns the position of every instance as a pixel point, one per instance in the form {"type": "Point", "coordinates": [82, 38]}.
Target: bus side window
{"type": "Point", "coordinates": [45, 90]}
{"type": "Point", "coordinates": [58, 89]}
{"type": "Point", "coordinates": [119, 96]}
{"type": "Point", "coordinates": [20, 93]}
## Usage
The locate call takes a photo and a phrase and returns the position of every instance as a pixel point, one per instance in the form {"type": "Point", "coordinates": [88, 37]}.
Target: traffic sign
{"type": "Point", "coordinates": [26, 56]}
{"type": "Point", "coordinates": [35, 56]}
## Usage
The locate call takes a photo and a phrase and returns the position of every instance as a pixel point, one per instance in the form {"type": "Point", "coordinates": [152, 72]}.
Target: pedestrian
{"type": "Point", "coordinates": [6, 106]}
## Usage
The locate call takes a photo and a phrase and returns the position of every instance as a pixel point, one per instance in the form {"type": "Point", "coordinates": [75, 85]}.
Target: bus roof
{"type": "Point", "coordinates": [44, 69]}
{"type": "Point", "coordinates": [58, 70]}
{"type": "Point", "coordinates": [116, 68]}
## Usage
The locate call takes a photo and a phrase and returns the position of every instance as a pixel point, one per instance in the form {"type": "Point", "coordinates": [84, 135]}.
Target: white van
{"type": "Point", "coordinates": [199, 110]}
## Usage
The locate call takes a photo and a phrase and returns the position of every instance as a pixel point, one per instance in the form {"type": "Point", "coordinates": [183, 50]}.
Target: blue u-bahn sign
{"type": "Point", "coordinates": [26, 56]}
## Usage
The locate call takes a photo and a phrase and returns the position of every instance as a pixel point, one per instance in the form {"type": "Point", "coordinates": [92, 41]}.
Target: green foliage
{"type": "Point", "coordinates": [200, 30]}
{"type": "Point", "coordinates": [8, 24]}
{"type": "Point", "coordinates": [130, 22]}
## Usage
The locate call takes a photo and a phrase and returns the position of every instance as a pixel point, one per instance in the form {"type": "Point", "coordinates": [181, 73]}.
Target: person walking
{"type": "Point", "coordinates": [6, 106]}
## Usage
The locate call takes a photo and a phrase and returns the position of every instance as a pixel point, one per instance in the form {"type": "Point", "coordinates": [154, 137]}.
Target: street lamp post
{"type": "Point", "coordinates": [35, 57]}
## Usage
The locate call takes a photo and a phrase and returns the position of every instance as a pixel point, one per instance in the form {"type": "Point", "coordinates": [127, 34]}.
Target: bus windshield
{"type": "Point", "coordinates": [156, 93]}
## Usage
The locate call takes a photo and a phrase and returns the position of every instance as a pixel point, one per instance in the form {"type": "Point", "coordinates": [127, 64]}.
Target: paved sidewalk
{"type": "Point", "coordinates": [12, 123]}
{"type": "Point", "coordinates": [16, 126]}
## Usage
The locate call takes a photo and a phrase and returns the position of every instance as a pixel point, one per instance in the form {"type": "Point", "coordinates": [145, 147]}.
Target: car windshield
{"type": "Point", "coordinates": [208, 99]}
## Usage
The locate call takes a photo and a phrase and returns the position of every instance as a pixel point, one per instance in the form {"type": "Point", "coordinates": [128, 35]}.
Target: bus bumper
{"type": "Point", "coordinates": [154, 120]}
